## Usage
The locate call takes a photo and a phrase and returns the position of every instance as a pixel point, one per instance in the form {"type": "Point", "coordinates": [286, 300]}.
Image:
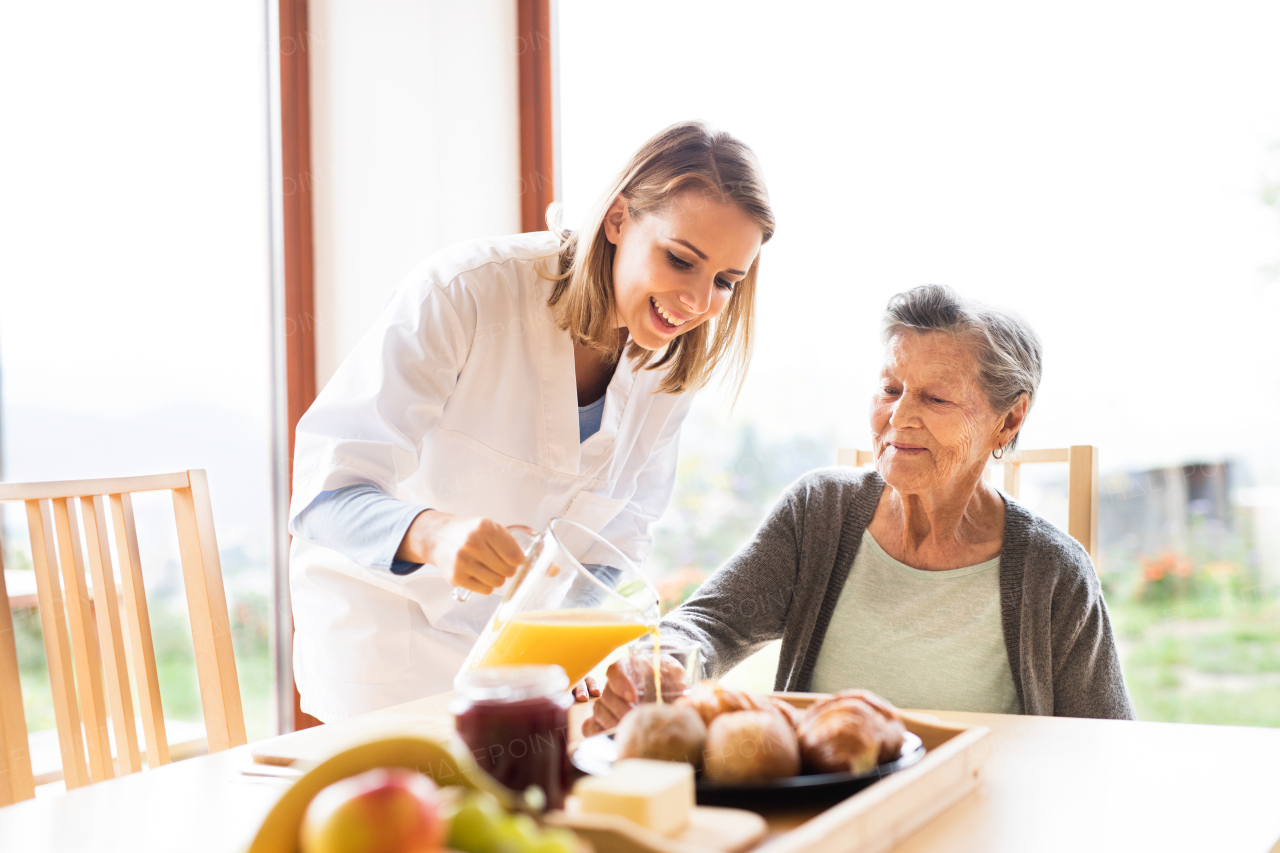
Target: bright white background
{"type": "Point", "coordinates": [1096, 167]}
{"type": "Point", "coordinates": [134, 277]}
{"type": "Point", "coordinates": [135, 280]}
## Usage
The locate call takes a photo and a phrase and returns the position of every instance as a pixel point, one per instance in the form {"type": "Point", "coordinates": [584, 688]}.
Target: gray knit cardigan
{"type": "Point", "coordinates": [785, 583]}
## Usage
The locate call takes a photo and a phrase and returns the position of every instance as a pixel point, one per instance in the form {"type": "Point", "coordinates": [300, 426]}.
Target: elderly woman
{"type": "Point", "coordinates": [918, 580]}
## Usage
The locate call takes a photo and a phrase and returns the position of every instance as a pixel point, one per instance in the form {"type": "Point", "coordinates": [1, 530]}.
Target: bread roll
{"type": "Point", "coordinates": [663, 733]}
{"type": "Point", "coordinates": [747, 746]}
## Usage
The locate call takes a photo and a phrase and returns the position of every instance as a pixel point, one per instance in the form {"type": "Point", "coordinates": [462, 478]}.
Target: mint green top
{"type": "Point", "coordinates": [921, 639]}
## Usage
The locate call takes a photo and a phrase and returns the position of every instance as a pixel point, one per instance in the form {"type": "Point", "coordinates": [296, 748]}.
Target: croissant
{"type": "Point", "coordinates": [891, 736]}
{"type": "Point", "coordinates": [886, 708]}
{"type": "Point", "coordinates": [791, 712]}
{"type": "Point", "coordinates": [840, 735]}
{"type": "Point", "coordinates": [849, 733]}
{"type": "Point", "coordinates": [711, 700]}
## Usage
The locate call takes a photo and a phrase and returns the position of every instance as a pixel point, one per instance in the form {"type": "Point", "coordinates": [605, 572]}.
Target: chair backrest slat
{"type": "Point", "coordinates": [92, 647]}
{"type": "Point", "coordinates": [207, 604]}
{"type": "Point", "coordinates": [57, 645]}
{"type": "Point", "coordinates": [84, 640]}
{"type": "Point", "coordinates": [1012, 480]}
{"type": "Point", "coordinates": [93, 510]}
{"type": "Point", "coordinates": [1082, 496]}
{"type": "Point", "coordinates": [16, 782]}
{"type": "Point", "coordinates": [79, 488]}
{"type": "Point", "coordinates": [138, 622]}
{"type": "Point", "coordinates": [856, 458]}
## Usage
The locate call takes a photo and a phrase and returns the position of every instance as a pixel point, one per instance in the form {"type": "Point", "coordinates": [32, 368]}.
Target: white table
{"type": "Point", "coordinates": [1051, 785]}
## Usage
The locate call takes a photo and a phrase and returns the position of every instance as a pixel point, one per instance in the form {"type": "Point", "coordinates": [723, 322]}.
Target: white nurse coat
{"type": "Point", "coordinates": [462, 398]}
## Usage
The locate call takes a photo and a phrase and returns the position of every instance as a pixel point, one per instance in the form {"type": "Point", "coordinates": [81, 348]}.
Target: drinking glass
{"type": "Point", "coordinates": [680, 664]}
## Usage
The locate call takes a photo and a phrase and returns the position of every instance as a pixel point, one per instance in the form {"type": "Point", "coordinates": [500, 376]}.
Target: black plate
{"type": "Point", "coordinates": [596, 755]}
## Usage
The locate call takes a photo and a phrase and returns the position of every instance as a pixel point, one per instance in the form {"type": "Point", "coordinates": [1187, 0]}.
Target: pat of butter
{"type": "Point", "coordinates": [655, 794]}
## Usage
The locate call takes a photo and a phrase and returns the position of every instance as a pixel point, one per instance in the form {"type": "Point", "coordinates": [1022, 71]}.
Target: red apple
{"type": "Point", "coordinates": [390, 810]}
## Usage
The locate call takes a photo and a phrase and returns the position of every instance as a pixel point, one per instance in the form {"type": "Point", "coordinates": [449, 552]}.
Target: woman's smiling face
{"type": "Point", "coordinates": [676, 268]}
{"type": "Point", "coordinates": [932, 421]}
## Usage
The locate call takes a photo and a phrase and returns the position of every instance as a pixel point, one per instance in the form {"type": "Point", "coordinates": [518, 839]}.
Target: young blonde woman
{"type": "Point", "coordinates": [510, 381]}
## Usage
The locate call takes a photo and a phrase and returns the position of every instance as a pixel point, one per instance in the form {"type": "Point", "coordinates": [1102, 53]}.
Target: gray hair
{"type": "Point", "coordinates": [1008, 350]}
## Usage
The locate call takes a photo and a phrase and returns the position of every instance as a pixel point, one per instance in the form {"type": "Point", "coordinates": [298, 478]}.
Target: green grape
{"type": "Point", "coordinates": [474, 825]}
{"type": "Point", "coordinates": [556, 841]}
{"type": "Point", "coordinates": [517, 834]}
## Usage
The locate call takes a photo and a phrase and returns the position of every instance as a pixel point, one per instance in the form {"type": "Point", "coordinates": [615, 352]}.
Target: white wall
{"type": "Point", "coordinates": [415, 146]}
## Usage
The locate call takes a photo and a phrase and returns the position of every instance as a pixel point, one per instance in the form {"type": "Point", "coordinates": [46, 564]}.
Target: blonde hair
{"type": "Point", "coordinates": [685, 156]}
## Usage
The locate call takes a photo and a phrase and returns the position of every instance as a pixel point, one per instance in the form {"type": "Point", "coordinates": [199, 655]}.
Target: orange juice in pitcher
{"type": "Point", "coordinates": [575, 639]}
{"type": "Point", "coordinates": [575, 599]}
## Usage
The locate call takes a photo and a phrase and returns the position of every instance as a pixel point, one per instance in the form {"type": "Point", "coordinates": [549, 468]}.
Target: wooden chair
{"type": "Point", "coordinates": [85, 641]}
{"type": "Point", "coordinates": [1082, 483]}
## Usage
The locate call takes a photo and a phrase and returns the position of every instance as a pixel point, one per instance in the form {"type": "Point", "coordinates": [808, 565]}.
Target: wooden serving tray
{"type": "Point", "coordinates": [872, 820]}
{"type": "Point", "coordinates": [883, 815]}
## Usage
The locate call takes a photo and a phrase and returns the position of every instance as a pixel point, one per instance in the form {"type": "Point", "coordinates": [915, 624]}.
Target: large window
{"type": "Point", "coordinates": [1109, 172]}
{"type": "Point", "coordinates": [134, 296]}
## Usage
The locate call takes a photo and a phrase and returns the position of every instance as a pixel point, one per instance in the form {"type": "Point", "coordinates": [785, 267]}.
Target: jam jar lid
{"type": "Point", "coordinates": [511, 683]}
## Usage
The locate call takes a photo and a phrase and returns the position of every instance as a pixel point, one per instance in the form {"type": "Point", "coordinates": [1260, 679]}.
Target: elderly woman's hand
{"type": "Point", "coordinates": [586, 689]}
{"type": "Point", "coordinates": [628, 682]}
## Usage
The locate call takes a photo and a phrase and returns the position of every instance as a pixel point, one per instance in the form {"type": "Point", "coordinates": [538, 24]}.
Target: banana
{"type": "Point", "coordinates": [447, 762]}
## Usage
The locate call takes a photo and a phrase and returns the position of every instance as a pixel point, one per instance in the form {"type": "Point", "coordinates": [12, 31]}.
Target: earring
{"type": "Point", "coordinates": [998, 453]}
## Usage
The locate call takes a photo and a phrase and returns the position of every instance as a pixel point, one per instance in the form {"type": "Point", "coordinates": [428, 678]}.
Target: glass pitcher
{"type": "Point", "coordinates": [574, 599]}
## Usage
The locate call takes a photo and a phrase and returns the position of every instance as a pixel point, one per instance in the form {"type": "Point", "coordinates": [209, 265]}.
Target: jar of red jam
{"type": "Point", "coordinates": [515, 719]}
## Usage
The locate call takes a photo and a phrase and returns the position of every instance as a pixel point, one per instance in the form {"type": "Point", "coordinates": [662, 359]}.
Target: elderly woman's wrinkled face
{"type": "Point", "coordinates": [932, 422]}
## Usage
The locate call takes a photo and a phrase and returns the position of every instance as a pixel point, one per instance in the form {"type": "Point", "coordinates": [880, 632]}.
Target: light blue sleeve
{"type": "Point", "coordinates": [362, 523]}
{"type": "Point", "coordinates": [366, 525]}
